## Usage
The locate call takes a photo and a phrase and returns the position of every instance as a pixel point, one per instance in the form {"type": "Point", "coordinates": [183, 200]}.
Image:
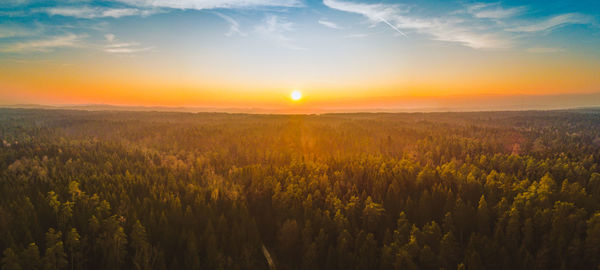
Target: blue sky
{"type": "Point", "coordinates": [29, 25]}
{"type": "Point", "coordinates": [370, 46]}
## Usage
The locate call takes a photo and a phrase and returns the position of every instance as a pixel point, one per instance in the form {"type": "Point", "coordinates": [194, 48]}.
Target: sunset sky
{"type": "Point", "coordinates": [352, 54]}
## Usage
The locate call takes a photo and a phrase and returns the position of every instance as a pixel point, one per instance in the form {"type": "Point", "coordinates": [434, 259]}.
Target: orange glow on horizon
{"type": "Point", "coordinates": [153, 85]}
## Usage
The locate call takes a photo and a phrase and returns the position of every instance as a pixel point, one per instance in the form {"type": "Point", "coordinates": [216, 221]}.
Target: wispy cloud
{"type": "Point", "coordinates": [443, 29]}
{"type": "Point", "coordinates": [378, 13]}
{"type": "Point", "coordinates": [480, 26]}
{"type": "Point", "coordinates": [96, 12]}
{"type": "Point", "coordinates": [329, 24]}
{"type": "Point", "coordinates": [358, 35]}
{"type": "Point", "coordinates": [494, 11]}
{"type": "Point", "coordinates": [211, 4]}
{"type": "Point", "coordinates": [110, 37]}
{"type": "Point", "coordinates": [43, 45]}
{"type": "Point", "coordinates": [553, 22]}
{"type": "Point", "coordinates": [275, 28]}
{"type": "Point", "coordinates": [10, 3]}
{"type": "Point", "coordinates": [116, 46]}
{"type": "Point", "coordinates": [234, 26]}
{"type": "Point", "coordinates": [11, 30]}
{"type": "Point", "coordinates": [544, 50]}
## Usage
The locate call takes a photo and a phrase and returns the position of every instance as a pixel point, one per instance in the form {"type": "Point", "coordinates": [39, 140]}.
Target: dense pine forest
{"type": "Point", "coordinates": [159, 190]}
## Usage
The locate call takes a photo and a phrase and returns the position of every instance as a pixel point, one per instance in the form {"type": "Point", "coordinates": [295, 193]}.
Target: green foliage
{"type": "Point", "coordinates": [54, 256]}
{"type": "Point", "coordinates": [149, 190]}
{"type": "Point", "coordinates": [30, 257]}
{"type": "Point", "coordinates": [10, 260]}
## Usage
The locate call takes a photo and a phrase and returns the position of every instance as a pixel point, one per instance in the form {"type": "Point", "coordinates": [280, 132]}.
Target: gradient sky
{"type": "Point", "coordinates": [339, 53]}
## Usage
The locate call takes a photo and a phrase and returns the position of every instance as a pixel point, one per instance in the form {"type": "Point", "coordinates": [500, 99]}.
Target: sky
{"type": "Point", "coordinates": [341, 54]}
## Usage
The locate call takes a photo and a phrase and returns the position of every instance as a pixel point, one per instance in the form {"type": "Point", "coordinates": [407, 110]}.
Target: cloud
{"type": "Point", "coordinates": [442, 29]}
{"type": "Point", "coordinates": [10, 30]}
{"type": "Point", "coordinates": [553, 23]}
{"type": "Point", "coordinates": [544, 50]}
{"type": "Point", "coordinates": [374, 12]}
{"type": "Point", "coordinates": [110, 37]}
{"type": "Point", "coordinates": [329, 24]}
{"type": "Point", "coordinates": [118, 47]}
{"type": "Point", "coordinates": [126, 48]}
{"type": "Point", "coordinates": [358, 35]}
{"type": "Point", "coordinates": [43, 45]}
{"type": "Point", "coordinates": [211, 4]}
{"type": "Point", "coordinates": [9, 3]}
{"type": "Point", "coordinates": [96, 12]}
{"type": "Point", "coordinates": [234, 26]}
{"type": "Point", "coordinates": [493, 11]}
{"type": "Point", "coordinates": [274, 28]}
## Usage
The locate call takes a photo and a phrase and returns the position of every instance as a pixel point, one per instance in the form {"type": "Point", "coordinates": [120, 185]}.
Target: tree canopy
{"type": "Point", "coordinates": [158, 190]}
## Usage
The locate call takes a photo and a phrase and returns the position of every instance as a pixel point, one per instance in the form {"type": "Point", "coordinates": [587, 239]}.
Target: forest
{"type": "Point", "coordinates": [176, 190]}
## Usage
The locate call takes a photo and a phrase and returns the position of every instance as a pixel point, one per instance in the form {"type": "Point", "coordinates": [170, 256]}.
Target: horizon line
{"type": "Point", "coordinates": [97, 107]}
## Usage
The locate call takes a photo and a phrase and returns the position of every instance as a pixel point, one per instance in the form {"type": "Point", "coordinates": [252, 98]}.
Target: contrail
{"type": "Point", "coordinates": [393, 27]}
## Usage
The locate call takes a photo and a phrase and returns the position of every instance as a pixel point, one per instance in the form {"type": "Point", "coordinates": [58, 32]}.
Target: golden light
{"type": "Point", "coordinates": [296, 95]}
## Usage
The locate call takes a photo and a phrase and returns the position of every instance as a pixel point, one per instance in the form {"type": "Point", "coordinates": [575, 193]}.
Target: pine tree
{"type": "Point", "coordinates": [73, 244]}
{"type": "Point", "coordinates": [592, 241]}
{"type": "Point", "coordinates": [140, 246]}
{"type": "Point", "coordinates": [54, 257]}
{"type": "Point", "coordinates": [192, 252]}
{"type": "Point", "coordinates": [449, 251]}
{"type": "Point", "coordinates": [10, 260]}
{"type": "Point", "coordinates": [30, 257]}
{"type": "Point", "coordinates": [483, 217]}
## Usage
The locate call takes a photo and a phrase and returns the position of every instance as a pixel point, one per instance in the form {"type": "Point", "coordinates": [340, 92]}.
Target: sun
{"type": "Point", "coordinates": [296, 95]}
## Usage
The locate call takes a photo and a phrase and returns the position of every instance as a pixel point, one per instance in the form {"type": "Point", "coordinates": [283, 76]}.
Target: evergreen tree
{"type": "Point", "coordinates": [73, 244]}
{"type": "Point", "coordinates": [142, 251]}
{"type": "Point", "coordinates": [54, 257]}
{"type": "Point", "coordinates": [10, 260]}
{"type": "Point", "coordinates": [30, 257]}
